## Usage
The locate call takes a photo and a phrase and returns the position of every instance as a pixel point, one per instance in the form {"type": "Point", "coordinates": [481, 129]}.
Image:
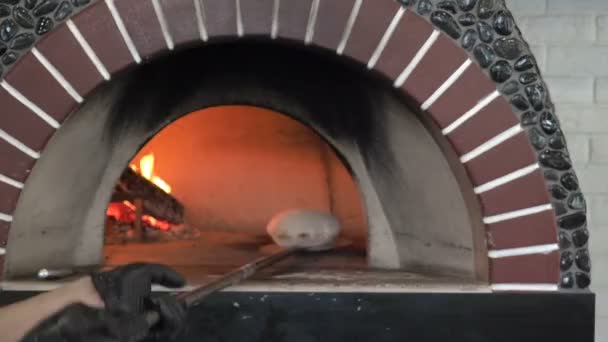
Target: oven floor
{"type": "Point", "coordinates": [343, 269]}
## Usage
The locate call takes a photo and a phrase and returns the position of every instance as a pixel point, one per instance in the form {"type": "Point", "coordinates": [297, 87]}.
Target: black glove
{"type": "Point", "coordinates": [172, 322]}
{"type": "Point", "coordinates": [127, 290]}
{"type": "Point", "coordinates": [78, 322]}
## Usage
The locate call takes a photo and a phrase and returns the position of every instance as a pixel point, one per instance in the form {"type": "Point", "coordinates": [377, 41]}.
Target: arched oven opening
{"type": "Point", "coordinates": [223, 174]}
{"type": "Point", "coordinates": [291, 105]}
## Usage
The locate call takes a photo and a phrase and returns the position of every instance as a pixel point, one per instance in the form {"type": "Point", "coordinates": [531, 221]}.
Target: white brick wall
{"type": "Point", "coordinates": [573, 89]}
{"type": "Point", "coordinates": [572, 6]}
{"type": "Point", "coordinates": [540, 53]}
{"type": "Point", "coordinates": [570, 40]}
{"type": "Point", "coordinates": [527, 8]}
{"type": "Point", "coordinates": [577, 59]}
{"type": "Point", "coordinates": [585, 119]}
{"type": "Point", "coordinates": [602, 29]}
{"type": "Point", "coordinates": [558, 29]}
{"type": "Point", "coordinates": [598, 215]}
{"type": "Point", "coordinates": [578, 146]}
{"type": "Point", "coordinates": [599, 150]}
{"type": "Point", "coordinates": [601, 89]}
{"type": "Point", "coordinates": [593, 178]}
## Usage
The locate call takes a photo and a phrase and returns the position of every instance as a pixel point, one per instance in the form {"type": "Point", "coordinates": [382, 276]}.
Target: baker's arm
{"type": "Point", "coordinates": [19, 318]}
{"type": "Point", "coordinates": [105, 307]}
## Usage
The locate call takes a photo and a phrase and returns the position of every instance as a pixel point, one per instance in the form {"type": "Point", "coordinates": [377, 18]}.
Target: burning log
{"type": "Point", "coordinates": [155, 201]}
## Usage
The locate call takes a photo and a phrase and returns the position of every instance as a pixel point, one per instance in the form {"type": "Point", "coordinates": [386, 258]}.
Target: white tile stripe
{"type": "Point", "coordinates": [19, 145]}
{"type": "Point", "coordinates": [162, 20]}
{"type": "Point", "coordinates": [512, 252]}
{"type": "Point", "coordinates": [240, 30]}
{"type": "Point", "coordinates": [516, 214]}
{"type": "Point", "coordinates": [525, 287]}
{"type": "Point", "coordinates": [493, 184]}
{"type": "Point", "coordinates": [123, 31]}
{"type": "Point", "coordinates": [386, 37]}
{"type": "Point", "coordinates": [490, 144]}
{"type": "Point", "coordinates": [6, 218]}
{"type": "Point", "coordinates": [88, 50]}
{"type": "Point", "coordinates": [2, 251]}
{"type": "Point", "coordinates": [446, 85]}
{"type": "Point", "coordinates": [416, 60]}
{"type": "Point", "coordinates": [274, 32]}
{"type": "Point", "coordinates": [11, 182]}
{"type": "Point", "coordinates": [312, 21]}
{"type": "Point", "coordinates": [349, 26]}
{"type": "Point", "coordinates": [200, 14]}
{"type": "Point", "coordinates": [466, 116]}
{"type": "Point", "coordinates": [57, 75]}
{"type": "Point", "coordinates": [30, 105]}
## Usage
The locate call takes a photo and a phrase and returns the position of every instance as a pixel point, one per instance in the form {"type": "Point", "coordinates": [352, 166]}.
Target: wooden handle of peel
{"type": "Point", "coordinates": [195, 296]}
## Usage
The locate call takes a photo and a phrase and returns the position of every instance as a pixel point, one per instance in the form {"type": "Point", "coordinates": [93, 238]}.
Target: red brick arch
{"type": "Point", "coordinates": [431, 70]}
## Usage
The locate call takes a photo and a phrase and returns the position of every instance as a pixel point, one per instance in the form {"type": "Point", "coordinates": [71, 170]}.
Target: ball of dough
{"type": "Point", "coordinates": [303, 228]}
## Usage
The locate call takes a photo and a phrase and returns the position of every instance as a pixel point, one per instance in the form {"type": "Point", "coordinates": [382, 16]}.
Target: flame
{"type": "Point", "coordinates": [146, 164]}
{"type": "Point", "coordinates": [146, 169]}
{"type": "Point", "coordinates": [161, 184]}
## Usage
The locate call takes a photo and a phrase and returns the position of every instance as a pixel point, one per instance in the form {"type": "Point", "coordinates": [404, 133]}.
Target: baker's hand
{"type": "Point", "coordinates": [172, 322]}
{"type": "Point", "coordinates": [127, 290]}
{"type": "Point", "coordinates": [78, 322]}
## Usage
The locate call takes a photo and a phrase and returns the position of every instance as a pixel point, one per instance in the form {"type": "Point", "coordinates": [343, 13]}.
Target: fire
{"type": "Point", "coordinates": [146, 169]}
{"type": "Point", "coordinates": [161, 184]}
{"type": "Point", "coordinates": [146, 165]}
{"type": "Point", "coordinates": [125, 211]}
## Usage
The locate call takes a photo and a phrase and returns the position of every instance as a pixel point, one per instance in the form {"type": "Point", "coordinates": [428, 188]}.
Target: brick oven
{"type": "Point", "coordinates": [433, 112]}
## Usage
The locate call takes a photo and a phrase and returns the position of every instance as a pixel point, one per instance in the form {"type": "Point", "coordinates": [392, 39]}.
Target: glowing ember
{"type": "Point", "coordinates": [152, 222]}
{"type": "Point", "coordinates": [124, 212]}
{"type": "Point", "coordinates": [129, 205]}
{"type": "Point", "coordinates": [120, 212]}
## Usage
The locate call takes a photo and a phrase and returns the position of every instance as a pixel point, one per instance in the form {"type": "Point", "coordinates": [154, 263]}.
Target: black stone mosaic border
{"type": "Point", "coordinates": [487, 31]}
{"type": "Point", "coordinates": [24, 22]}
{"type": "Point", "coordinates": [484, 28]}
